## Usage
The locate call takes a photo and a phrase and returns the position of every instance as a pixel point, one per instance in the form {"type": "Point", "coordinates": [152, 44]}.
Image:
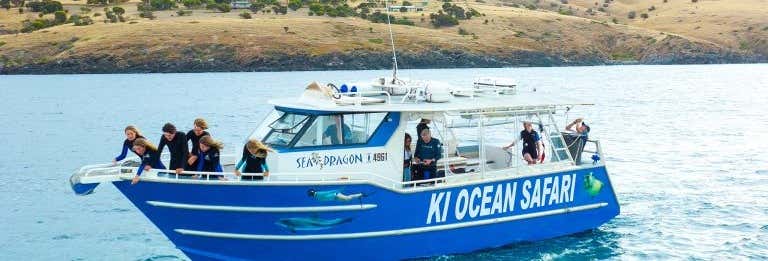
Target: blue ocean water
{"type": "Point", "coordinates": [685, 146]}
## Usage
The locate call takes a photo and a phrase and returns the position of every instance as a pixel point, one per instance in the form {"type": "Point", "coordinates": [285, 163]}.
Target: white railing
{"type": "Point", "coordinates": [98, 173]}
{"type": "Point", "coordinates": [362, 94]}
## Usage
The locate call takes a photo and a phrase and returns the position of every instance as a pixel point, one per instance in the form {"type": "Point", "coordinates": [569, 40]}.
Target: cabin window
{"type": "Point", "coordinates": [285, 128]}
{"type": "Point", "coordinates": [341, 129]}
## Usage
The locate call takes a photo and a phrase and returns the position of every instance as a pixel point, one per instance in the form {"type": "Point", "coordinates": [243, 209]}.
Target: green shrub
{"type": "Point", "coordinates": [119, 11]}
{"type": "Point", "coordinates": [78, 20]}
{"type": "Point", "coordinates": [192, 3]}
{"type": "Point", "coordinates": [317, 8]}
{"type": "Point", "coordinates": [5, 4]}
{"type": "Point", "coordinates": [255, 7]}
{"type": "Point", "coordinates": [644, 16]}
{"type": "Point", "coordinates": [98, 2]}
{"type": "Point", "coordinates": [162, 4]}
{"type": "Point", "coordinates": [59, 17]}
{"type": "Point", "coordinates": [146, 13]}
{"type": "Point", "coordinates": [463, 31]}
{"type": "Point", "coordinates": [280, 9]}
{"type": "Point", "coordinates": [224, 7]}
{"type": "Point", "coordinates": [45, 6]}
{"type": "Point", "coordinates": [403, 21]}
{"type": "Point", "coordinates": [245, 15]}
{"type": "Point", "coordinates": [406, 3]}
{"type": "Point", "coordinates": [184, 12]}
{"type": "Point", "coordinates": [295, 4]}
{"type": "Point", "coordinates": [37, 24]}
{"type": "Point", "coordinates": [441, 19]}
{"type": "Point", "coordinates": [631, 15]}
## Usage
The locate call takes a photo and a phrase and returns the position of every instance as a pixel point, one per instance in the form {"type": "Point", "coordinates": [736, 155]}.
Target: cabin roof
{"type": "Point", "coordinates": [521, 101]}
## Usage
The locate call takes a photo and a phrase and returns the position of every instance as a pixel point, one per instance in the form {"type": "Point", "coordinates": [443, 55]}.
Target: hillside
{"type": "Point", "coordinates": [509, 34]}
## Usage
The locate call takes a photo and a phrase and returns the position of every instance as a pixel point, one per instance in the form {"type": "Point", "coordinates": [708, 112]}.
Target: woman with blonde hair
{"type": "Point", "coordinates": [254, 160]}
{"type": "Point", "coordinates": [194, 135]}
{"type": "Point", "coordinates": [150, 157]}
{"type": "Point", "coordinates": [131, 134]}
{"type": "Point", "coordinates": [209, 156]}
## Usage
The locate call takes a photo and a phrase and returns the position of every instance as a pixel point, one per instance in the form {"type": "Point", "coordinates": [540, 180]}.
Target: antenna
{"type": "Point", "coordinates": [392, 41]}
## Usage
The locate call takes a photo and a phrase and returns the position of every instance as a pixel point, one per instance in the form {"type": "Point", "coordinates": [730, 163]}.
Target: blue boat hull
{"type": "Point", "coordinates": [333, 222]}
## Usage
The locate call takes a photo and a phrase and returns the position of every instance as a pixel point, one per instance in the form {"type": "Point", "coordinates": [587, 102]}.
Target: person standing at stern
{"type": "Point", "coordinates": [532, 145]}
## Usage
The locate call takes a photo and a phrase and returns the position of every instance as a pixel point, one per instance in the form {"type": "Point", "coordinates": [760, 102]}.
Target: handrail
{"type": "Point", "coordinates": [360, 94]}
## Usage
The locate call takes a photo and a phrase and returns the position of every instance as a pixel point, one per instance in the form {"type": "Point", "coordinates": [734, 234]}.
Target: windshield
{"type": "Point", "coordinates": [284, 129]}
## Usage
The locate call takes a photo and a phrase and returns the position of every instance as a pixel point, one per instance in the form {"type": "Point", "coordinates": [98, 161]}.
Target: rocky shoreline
{"type": "Point", "coordinates": [359, 60]}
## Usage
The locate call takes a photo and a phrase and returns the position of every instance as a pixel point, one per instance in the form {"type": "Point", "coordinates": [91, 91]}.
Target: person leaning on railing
{"type": "Point", "coordinates": [194, 136]}
{"type": "Point", "coordinates": [209, 157]}
{"type": "Point", "coordinates": [254, 160]}
{"type": "Point", "coordinates": [150, 157]}
{"type": "Point", "coordinates": [131, 134]}
{"type": "Point", "coordinates": [177, 146]}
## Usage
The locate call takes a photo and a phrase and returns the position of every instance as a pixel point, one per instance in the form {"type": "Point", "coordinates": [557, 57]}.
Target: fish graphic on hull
{"type": "Point", "coordinates": [310, 223]}
{"type": "Point", "coordinates": [592, 185]}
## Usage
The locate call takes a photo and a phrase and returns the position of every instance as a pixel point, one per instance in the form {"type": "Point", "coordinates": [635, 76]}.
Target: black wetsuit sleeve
{"type": "Point", "coordinates": [179, 153]}
{"type": "Point", "coordinates": [200, 161]}
{"type": "Point", "coordinates": [161, 145]}
{"type": "Point", "coordinates": [154, 159]}
{"type": "Point", "coordinates": [215, 159]}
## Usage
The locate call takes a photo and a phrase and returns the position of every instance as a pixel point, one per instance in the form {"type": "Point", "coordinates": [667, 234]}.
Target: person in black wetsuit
{"type": "Point", "coordinates": [254, 160]}
{"type": "Point", "coordinates": [209, 157]}
{"type": "Point", "coordinates": [131, 134]}
{"type": "Point", "coordinates": [177, 146]}
{"type": "Point", "coordinates": [150, 157]}
{"type": "Point", "coordinates": [194, 135]}
{"type": "Point", "coordinates": [532, 145]}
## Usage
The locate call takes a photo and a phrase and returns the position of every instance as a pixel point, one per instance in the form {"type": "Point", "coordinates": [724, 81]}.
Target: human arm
{"type": "Point", "coordinates": [241, 163]}
{"type": "Point", "coordinates": [123, 153]}
{"type": "Point", "coordinates": [139, 170]}
{"type": "Point", "coordinates": [575, 122]}
{"type": "Point", "coordinates": [216, 160]}
{"type": "Point", "coordinates": [265, 168]}
{"type": "Point", "coordinates": [519, 137]}
{"type": "Point", "coordinates": [201, 162]}
{"type": "Point", "coordinates": [180, 152]}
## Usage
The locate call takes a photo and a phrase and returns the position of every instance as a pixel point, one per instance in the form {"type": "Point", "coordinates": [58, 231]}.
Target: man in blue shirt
{"type": "Point", "coordinates": [427, 152]}
{"type": "Point", "coordinates": [333, 134]}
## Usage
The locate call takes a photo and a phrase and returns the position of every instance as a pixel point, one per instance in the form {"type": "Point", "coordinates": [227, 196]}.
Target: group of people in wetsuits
{"type": "Point", "coordinates": [204, 155]}
{"type": "Point", "coordinates": [421, 163]}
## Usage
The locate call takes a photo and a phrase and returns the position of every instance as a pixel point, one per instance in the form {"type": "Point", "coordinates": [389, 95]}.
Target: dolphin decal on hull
{"type": "Point", "coordinates": [310, 223]}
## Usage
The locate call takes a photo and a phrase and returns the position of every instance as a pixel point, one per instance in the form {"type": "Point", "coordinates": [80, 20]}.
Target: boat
{"type": "Point", "coordinates": [348, 201]}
